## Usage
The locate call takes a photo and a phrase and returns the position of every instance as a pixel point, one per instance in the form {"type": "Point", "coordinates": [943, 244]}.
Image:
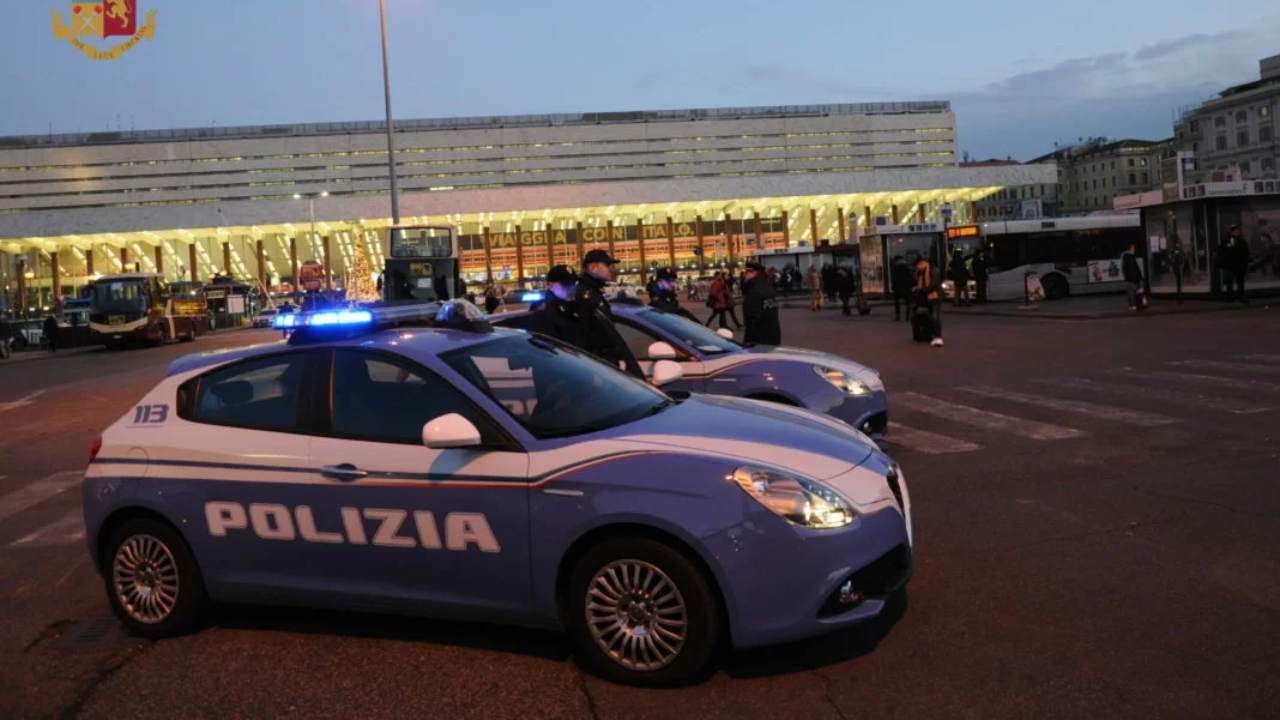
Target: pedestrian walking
{"type": "Point", "coordinates": [721, 302]}
{"type": "Point", "coordinates": [927, 294]}
{"type": "Point", "coordinates": [50, 331]}
{"type": "Point", "coordinates": [1132, 273]}
{"type": "Point", "coordinates": [979, 264]}
{"type": "Point", "coordinates": [1233, 259]}
{"type": "Point", "coordinates": [760, 309]}
{"type": "Point", "coordinates": [902, 279]}
{"type": "Point", "coordinates": [441, 288]}
{"type": "Point", "coordinates": [815, 288]}
{"type": "Point", "coordinates": [844, 288]}
{"type": "Point", "coordinates": [5, 334]}
{"type": "Point", "coordinates": [491, 299]}
{"type": "Point", "coordinates": [959, 278]}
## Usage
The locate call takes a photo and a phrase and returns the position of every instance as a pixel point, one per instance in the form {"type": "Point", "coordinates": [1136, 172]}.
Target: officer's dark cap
{"type": "Point", "coordinates": [562, 275]}
{"type": "Point", "coordinates": [598, 256]}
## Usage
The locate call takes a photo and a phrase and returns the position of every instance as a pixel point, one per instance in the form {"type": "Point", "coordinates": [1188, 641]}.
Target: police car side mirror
{"type": "Point", "coordinates": [661, 350]}
{"type": "Point", "coordinates": [725, 333]}
{"type": "Point", "coordinates": [666, 372]}
{"type": "Point", "coordinates": [450, 431]}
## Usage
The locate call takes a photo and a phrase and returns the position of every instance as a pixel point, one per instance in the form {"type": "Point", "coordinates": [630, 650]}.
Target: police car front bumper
{"type": "Point", "coordinates": [795, 583]}
{"type": "Point", "coordinates": [868, 413]}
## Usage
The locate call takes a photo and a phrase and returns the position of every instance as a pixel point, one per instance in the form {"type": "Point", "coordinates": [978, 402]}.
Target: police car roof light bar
{"type": "Point", "coordinates": [455, 314]}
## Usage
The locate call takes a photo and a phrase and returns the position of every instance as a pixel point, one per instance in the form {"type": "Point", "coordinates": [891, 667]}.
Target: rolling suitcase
{"type": "Point", "coordinates": [921, 325]}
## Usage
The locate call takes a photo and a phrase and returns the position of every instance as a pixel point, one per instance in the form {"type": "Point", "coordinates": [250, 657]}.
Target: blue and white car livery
{"type": "Point", "coordinates": [496, 476]}
{"type": "Point", "coordinates": [821, 382]}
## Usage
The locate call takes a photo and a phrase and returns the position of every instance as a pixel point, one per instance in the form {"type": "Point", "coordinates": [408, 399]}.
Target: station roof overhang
{"type": "Point", "coordinates": [649, 200]}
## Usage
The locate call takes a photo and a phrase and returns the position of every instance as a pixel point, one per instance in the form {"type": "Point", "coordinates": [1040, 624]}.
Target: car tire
{"type": "Point", "coordinates": [1055, 286]}
{"type": "Point", "coordinates": [666, 620]}
{"type": "Point", "coordinates": [152, 580]}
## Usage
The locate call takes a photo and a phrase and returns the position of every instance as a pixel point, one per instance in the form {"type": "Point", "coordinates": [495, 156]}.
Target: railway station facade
{"type": "Point", "coordinates": [696, 190]}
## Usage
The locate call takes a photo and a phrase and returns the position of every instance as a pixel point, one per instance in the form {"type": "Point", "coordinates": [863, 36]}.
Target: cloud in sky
{"type": "Point", "coordinates": [1117, 94]}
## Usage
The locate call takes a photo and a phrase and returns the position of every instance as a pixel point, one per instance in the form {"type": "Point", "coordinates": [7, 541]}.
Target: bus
{"type": "Point", "coordinates": [423, 258]}
{"type": "Point", "coordinates": [137, 308]}
{"type": "Point", "coordinates": [1070, 256]}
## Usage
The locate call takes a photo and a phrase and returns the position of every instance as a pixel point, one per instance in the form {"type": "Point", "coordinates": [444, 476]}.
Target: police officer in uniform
{"type": "Point", "coordinates": [663, 295]}
{"type": "Point", "coordinates": [558, 314]}
{"type": "Point", "coordinates": [595, 319]}
{"type": "Point", "coordinates": [760, 308]}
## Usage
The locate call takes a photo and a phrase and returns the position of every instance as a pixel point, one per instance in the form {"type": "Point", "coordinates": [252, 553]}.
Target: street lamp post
{"type": "Point", "coordinates": [311, 214]}
{"type": "Point", "coordinates": [391, 142]}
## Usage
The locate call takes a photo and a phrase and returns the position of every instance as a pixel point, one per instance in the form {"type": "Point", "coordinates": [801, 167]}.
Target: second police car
{"type": "Point", "coordinates": [375, 462]}
{"type": "Point", "coordinates": [713, 363]}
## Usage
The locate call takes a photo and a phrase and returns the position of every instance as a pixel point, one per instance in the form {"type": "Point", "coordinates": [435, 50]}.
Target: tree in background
{"type": "Point", "coordinates": [360, 283]}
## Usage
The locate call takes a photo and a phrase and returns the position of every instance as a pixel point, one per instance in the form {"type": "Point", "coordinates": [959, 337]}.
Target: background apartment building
{"type": "Point", "coordinates": [1234, 135]}
{"type": "Point", "coordinates": [1091, 174]}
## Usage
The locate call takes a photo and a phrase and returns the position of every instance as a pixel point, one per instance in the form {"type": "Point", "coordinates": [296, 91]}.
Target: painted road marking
{"type": "Point", "coordinates": [1187, 399]}
{"type": "Point", "coordinates": [20, 402]}
{"type": "Point", "coordinates": [66, 530]}
{"type": "Point", "coordinates": [1227, 366]}
{"type": "Point", "coordinates": [972, 416]}
{"type": "Point", "coordinates": [1103, 412]}
{"type": "Point", "coordinates": [37, 492]}
{"type": "Point", "coordinates": [1215, 381]}
{"type": "Point", "coordinates": [1258, 357]}
{"type": "Point", "coordinates": [910, 438]}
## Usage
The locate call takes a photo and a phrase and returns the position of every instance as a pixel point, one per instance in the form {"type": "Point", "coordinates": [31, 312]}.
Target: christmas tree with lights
{"type": "Point", "coordinates": [360, 283]}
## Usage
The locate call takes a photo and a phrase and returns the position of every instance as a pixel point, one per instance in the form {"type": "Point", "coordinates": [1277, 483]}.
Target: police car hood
{"type": "Point", "coordinates": [754, 431]}
{"type": "Point", "coordinates": [828, 360]}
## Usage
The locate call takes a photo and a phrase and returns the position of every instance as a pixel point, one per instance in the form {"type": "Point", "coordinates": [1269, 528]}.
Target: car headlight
{"type": "Point", "coordinates": [801, 502]}
{"type": "Point", "coordinates": [849, 383]}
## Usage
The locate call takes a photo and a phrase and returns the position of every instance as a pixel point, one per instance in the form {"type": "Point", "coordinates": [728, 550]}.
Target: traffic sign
{"type": "Point", "coordinates": [311, 275]}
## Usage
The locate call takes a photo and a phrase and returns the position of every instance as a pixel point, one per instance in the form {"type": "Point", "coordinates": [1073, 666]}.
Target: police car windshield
{"type": "Point", "coordinates": [553, 390]}
{"type": "Point", "coordinates": [697, 336]}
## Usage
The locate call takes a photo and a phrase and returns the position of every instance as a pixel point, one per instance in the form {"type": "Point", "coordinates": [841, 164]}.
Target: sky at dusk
{"type": "Point", "coordinates": [1020, 75]}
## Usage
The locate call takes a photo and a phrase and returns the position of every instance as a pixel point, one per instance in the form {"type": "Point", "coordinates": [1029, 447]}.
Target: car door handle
{"type": "Point", "coordinates": [345, 471]}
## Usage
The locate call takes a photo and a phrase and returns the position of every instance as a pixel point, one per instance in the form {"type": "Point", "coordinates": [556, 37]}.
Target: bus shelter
{"type": "Point", "coordinates": [1184, 237]}
{"type": "Point", "coordinates": [229, 302]}
{"type": "Point", "coordinates": [881, 244]}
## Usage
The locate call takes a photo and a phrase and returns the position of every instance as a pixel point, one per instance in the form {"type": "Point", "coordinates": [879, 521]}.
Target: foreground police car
{"type": "Point", "coordinates": [491, 475]}
{"type": "Point", "coordinates": [818, 381]}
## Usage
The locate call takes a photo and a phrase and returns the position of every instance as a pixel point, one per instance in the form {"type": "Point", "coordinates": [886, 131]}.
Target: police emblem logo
{"type": "Point", "coordinates": [100, 20]}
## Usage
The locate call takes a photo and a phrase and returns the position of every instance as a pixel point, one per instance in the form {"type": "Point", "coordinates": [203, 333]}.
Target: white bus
{"type": "Point", "coordinates": [1070, 256]}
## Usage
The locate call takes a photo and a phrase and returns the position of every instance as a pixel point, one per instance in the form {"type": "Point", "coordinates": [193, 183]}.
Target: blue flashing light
{"type": "Point", "coordinates": [327, 318]}
{"type": "Point", "coordinates": [533, 297]}
{"type": "Point", "coordinates": [341, 317]}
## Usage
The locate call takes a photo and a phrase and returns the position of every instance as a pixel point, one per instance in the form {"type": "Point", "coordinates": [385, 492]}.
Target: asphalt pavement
{"type": "Point", "coordinates": [1096, 513]}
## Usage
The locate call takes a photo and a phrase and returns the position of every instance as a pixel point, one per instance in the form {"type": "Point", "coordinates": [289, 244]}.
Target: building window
{"type": "Point", "coordinates": [1244, 168]}
{"type": "Point", "coordinates": [1220, 121]}
{"type": "Point", "coordinates": [1145, 181]}
{"type": "Point", "coordinates": [1264, 133]}
{"type": "Point", "coordinates": [1133, 179]}
{"type": "Point", "coordinates": [1268, 164]}
{"type": "Point", "coordinates": [1221, 142]}
{"type": "Point", "coordinates": [1142, 162]}
{"type": "Point", "coordinates": [1264, 111]}
{"type": "Point", "coordinates": [1195, 126]}
{"type": "Point", "coordinates": [1130, 162]}
{"type": "Point", "coordinates": [1242, 138]}
{"type": "Point", "coordinates": [1113, 164]}
{"type": "Point", "coordinates": [1241, 116]}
